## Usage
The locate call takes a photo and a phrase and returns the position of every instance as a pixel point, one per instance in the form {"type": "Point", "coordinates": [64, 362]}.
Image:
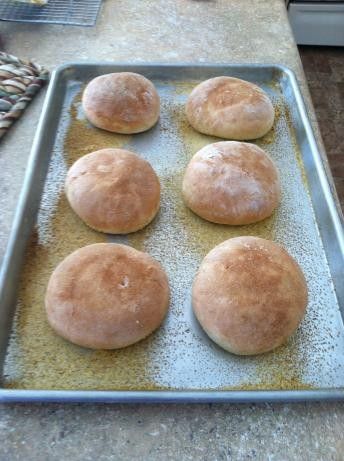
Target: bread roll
{"type": "Point", "coordinates": [230, 108]}
{"type": "Point", "coordinates": [122, 102]}
{"type": "Point", "coordinates": [231, 182]}
{"type": "Point", "coordinates": [106, 296]}
{"type": "Point", "coordinates": [113, 191]}
{"type": "Point", "coordinates": [249, 295]}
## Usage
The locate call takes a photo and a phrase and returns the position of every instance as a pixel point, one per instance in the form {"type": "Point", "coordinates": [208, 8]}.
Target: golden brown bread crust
{"type": "Point", "coordinates": [249, 295]}
{"type": "Point", "coordinates": [113, 191]}
{"type": "Point", "coordinates": [107, 296]}
{"type": "Point", "coordinates": [230, 108]}
{"type": "Point", "coordinates": [231, 182]}
{"type": "Point", "coordinates": [122, 102]}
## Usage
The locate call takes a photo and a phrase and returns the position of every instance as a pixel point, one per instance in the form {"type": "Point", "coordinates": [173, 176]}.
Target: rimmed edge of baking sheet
{"type": "Point", "coordinates": [25, 218]}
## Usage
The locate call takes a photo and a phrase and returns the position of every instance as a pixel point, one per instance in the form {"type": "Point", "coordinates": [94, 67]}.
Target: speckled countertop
{"type": "Point", "coordinates": [219, 31]}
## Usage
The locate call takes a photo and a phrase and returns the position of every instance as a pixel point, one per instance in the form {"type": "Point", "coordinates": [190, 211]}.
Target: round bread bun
{"type": "Point", "coordinates": [231, 182]}
{"type": "Point", "coordinates": [113, 191]}
{"type": "Point", "coordinates": [249, 295]}
{"type": "Point", "coordinates": [122, 102]}
{"type": "Point", "coordinates": [230, 108]}
{"type": "Point", "coordinates": [107, 296]}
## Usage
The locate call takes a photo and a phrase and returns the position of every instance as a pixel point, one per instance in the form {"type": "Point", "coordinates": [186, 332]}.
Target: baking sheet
{"type": "Point", "coordinates": [178, 357]}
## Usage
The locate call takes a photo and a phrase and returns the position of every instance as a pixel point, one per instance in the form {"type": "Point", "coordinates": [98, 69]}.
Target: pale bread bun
{"type": "Point", "coordinates": [249, 295]}
{"type": "Point", "coordinates": [231, 182]}
{"type": "Point", "coordinates": [113, 191]}
{"type": "Point", "coordinates": [122, 102]}
{"type": "Point", "coordinates": [230, 108]}
{"type": "Point", "coordinates": [107, 296]}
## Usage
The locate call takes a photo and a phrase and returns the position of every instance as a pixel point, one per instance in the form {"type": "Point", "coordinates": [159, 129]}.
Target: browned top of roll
{"type": "Point", "coordinates": [107, 296]}
{"type": "Point", "coordinates": [122, 102]}
{"type": "Point", "coordinates": [249, 295]}
{"type": "Point", "coordinates": [231, 182]}
{"type": "Point", "coordinates": [230, 108]}
{"type": "Point", "coordinates": [113, 190]}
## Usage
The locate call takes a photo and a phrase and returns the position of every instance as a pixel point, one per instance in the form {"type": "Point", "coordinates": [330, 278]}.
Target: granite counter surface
{"type": "Point", "coordinates": [214, 31]}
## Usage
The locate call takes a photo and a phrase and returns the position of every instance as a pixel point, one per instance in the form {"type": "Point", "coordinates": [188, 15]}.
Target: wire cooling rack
{"type": "Point", "coordinates": [73, 12]}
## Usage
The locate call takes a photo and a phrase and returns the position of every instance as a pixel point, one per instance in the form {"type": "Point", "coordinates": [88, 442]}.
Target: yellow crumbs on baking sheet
{"type": "Point", "coordinates": [43, 359]}
{"type": "Point", "coordinates": [178, 355]}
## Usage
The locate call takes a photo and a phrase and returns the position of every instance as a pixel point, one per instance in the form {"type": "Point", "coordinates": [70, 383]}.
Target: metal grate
{"type": "Point", "coordinates": [73, 12]}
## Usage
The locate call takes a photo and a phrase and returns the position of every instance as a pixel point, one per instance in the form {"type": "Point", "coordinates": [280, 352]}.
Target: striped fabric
{"type": "Point", "coordinates": [19, 82]}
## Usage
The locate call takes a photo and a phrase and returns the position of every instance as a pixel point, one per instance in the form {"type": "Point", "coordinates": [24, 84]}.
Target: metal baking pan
{"type": "Point", "coordinates": [178, 363]}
